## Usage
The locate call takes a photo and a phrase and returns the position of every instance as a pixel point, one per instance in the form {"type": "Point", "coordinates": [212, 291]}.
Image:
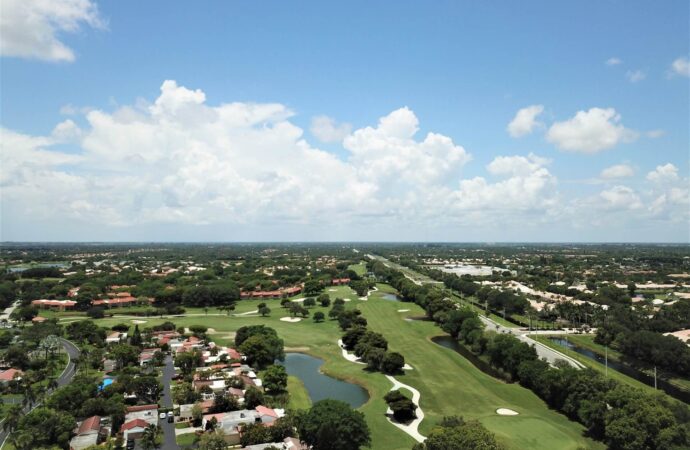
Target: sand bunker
{"type": "Point", "coordinates": [138, 321]}
{"type": "Point", "coordinates": [290, 319]}
{"type": "Point", "coordinates": [407, 367]}
{"type": "Point", "coordinates": [298, 300]}
{"type": "Point", "coordinates": [506, 412]}
{"type": "Point", "coordinates": [403, 310]}
{"type": "Point", "coordinates": [332, 290]}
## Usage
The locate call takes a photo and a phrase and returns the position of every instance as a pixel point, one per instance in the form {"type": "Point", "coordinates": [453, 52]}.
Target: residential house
{"type": "Point", "coordinates": [230, 423]}
{"type": "Point", "coordinates": [86, 434]}
{"type": "Point", "coordinates": [288, 443]}
{"type": "Point", "coordinates": [137, 418]}
{"type": "Point", "coordinates": [186, 410]}
{"type": "Point", "coordinates": [56, 305]}
{"type": "Point", "coordinates": [146, 356]}
{"type": "Point", "coordinates": [115, 338]}
{"type": "Point", "coordinates": [10, 374]}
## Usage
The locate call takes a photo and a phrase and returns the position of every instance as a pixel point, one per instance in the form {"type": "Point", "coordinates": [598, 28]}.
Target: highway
{"type": "Point", "coordinates": [544, 352]}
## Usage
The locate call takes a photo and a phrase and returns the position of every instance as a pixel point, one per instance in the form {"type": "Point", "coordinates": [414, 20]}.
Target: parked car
{"type": "Point", "coordinates": [171, 417]}
{"type": "Point", "coordinates": [162, 416]}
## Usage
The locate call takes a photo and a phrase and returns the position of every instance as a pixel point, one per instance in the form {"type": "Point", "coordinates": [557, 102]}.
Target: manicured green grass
{"type": "Point", "coordinates": [498, 319]}
{"type": "Point", "coordinates": [187, 439]}
{"type": "Point", "coordinates": [449, 384]}
{"type": "Point", "coordinates": [360, 269]}
{"type": "Point", "coordinates": [299, 397]}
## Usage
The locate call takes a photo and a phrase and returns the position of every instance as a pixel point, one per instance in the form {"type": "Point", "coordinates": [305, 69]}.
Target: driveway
{"type": "Point", "coordinates": [169, 442]}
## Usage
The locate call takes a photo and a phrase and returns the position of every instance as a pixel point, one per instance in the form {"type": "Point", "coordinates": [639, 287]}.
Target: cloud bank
{"type": "Point", "coordinates": [180, 160]}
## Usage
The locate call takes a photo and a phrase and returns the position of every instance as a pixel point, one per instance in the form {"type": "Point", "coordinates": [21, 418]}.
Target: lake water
{"type": "Point", "coordinates": [320, 386]}
{"type": "Point", "coordinates": [632, 372]}
{"type": "Point", "coordinates": [390, 297]}
{"type": "Point", "coordinates": [450, 343]}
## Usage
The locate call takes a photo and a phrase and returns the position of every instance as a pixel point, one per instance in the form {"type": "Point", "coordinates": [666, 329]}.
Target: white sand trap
{"type": "Point", "coordinates": [403, 310]}
{"type": "Point", "coordinates": [298, 300]}
{"type": "Point", "coordinates": [407, 367]}
{"type": "Point", "coordinates": [332, 290]}
{"type": "Point", "coordinates": [364, 299]}
{"type": "Point", "coordinates": [138, 321]}
{"type": "Point", "coordinates": [247, 313]}
{"type": "Point", "coordinates": [290, 319]}
{"type": "Point", "coordinates": [349, 356]}
{"type": "Point", "coordinates": [346, 300]}
{"type": "Point", "coordinates": [506, 412]}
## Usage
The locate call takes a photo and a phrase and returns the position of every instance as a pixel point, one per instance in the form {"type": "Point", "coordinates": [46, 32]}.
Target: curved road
{"type": "Point", "coordinates": [64, 378]}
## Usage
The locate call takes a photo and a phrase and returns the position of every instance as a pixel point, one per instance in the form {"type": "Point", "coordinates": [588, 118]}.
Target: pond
{"type": "Point", "coordinates": [625, 369]}
{"type": "Point", "coordinates": [390, 297]}
{"type": "Point", "coordinates": [450, 343]}
{"type": "Point", "coordinates": [319, 385]}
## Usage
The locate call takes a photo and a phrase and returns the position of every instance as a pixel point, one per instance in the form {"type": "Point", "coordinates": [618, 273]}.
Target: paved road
{"type": "Point", "coordinates": [8, 311]}
{"type": "Point", "coordinates": [169, 442]}
{"type": "Point", "coordinates": [64, 378]}
{"type": "Point", "coordinates": [544, 352]}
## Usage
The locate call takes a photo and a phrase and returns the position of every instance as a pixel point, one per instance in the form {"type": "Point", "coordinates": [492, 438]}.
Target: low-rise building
{"type": "Point", "coordinates": [87, 434]}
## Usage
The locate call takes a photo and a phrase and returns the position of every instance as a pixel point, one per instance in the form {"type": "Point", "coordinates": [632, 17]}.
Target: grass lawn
{"type": "Point", "coordinates": [185, 440]}
{"type": "Point", "coordinates": [299, 397]}
{"type": "Point", "coordinates": [498, 319]}
{"type": "Point", "coordinates": [449, 384]}
{"type": "Point", "coordinates": [360, 269]}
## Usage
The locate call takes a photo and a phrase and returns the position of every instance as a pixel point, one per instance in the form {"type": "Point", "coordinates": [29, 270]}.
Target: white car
{"type": "Point", "coordinates": [162, 416]}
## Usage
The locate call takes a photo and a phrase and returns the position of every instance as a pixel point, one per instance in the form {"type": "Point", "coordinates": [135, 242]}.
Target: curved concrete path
{"type": "Point", "coordinates": [413, 427]}
{"type": "Point", "coordinates": [349, 356]}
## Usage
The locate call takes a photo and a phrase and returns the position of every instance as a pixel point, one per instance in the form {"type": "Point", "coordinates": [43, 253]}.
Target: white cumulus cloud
{"type": "Point", "coordinates": [525, 121]}
{"type": "Point", "coordinates": [618, 171]}
{"type": "Point", "coordinates": [663, 174]}
{"type": "Point", "coordinates": [31, 28]}
{"type": "Point", "coordinates": [326, 129]}
{"type": "Point", "coordinates": [681, 66]}
{"type": "Point", "coordinates": [613, 61]}
{"type": "Point", "coordinates": [635, 76]}
{"type": "Point", "coordinates": [590, 131]}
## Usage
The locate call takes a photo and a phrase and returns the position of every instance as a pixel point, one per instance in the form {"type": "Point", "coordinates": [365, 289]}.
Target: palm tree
{"type": "Point", "coordinates": [148, 440]}
{"type": "Point", "coordinates": [14, 414]}
{"type": "Point", "coordinates": [52, 383]}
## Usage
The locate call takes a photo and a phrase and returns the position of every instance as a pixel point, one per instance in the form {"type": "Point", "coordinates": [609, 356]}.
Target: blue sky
{"type": "Point", "coordinates": [462, 69]}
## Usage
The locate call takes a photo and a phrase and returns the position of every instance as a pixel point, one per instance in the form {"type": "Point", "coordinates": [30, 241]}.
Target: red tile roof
{"type": "Point", "coordinates": [54, 302]}
{"type": "Point", "coordinates": [264, 411]}
{"type": "Point", "coordinates": [141, 408]}
{"type": "Point", "coordinates": [133, 424]}
{"type": "Point", "coordinates": [93, 423]}
{"type": "Point", "coordinates": [9, 374]}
